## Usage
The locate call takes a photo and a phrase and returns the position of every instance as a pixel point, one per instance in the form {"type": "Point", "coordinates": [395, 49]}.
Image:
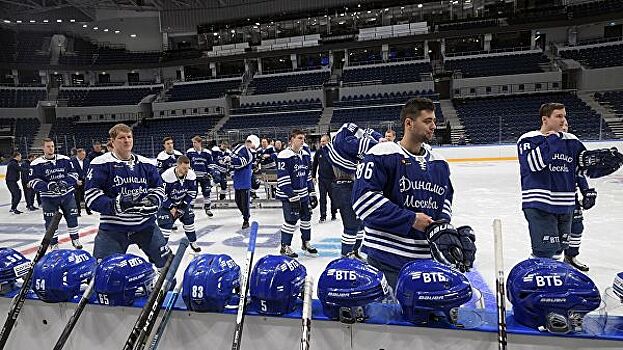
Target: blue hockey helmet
{"type": "Point", "coordinates": [347, 286]}
{"type": "Point", "coordinates": [211, 283]}
{"type": "Point", "coordinates": [119, 277]}
{"type": "Point", "coordinates": [57, 276]}
{"type": "Point", "coordinates": [617, 286]}
{"type": "Point", "coordinates": [428, 290]}
{"type": "Point", "coordinates": [13, 265]}
{"type": "Point", "coordinates": [276, 285]}
{"type": "Point", "coordinates": [548, 294]}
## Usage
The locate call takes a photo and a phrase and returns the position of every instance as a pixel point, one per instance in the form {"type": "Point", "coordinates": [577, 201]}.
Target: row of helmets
{"type": "Point", "coordinates": [545, 294]}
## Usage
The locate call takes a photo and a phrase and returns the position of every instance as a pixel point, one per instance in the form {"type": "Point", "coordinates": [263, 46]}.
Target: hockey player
{"type": "Point", "coordinates": [265, 155]}
{"type": "Point", "coordinates": [549, 160]}
{"type": "Point", "coordinates": [168, 157]}
{"type": "Point", "coordinates": [390, 135]}
{"type": "Point", "coordinates": [321, 166]}
{"type": "Point", "coordinates": [219, 170]}
{"type": "Point", "coordinates": [127, 190]}
{"type": "Point", "coordinates": [403, 194]}
{"type": "Point", "coordinates": [180, 189]}
{"type": "Point", "coordinates": [295, 189]}
{"type": "Point", "coordinates": [347, 148]}
{"type": "Point", "coordinates": [201, 163]}
{"type": "Point", "coordinates": [241, 161]}
{"type": "Point", "coordinates": [54, 178]}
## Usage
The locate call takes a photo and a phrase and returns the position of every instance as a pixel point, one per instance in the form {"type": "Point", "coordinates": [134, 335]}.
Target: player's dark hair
{"type": "Point", "coordinates": [164, 140]}
{"type": "Point", "coordinates": [15, 154]}
{"type": "Point", "coordinates": [197, 138]}
{"type": "Point", "coordinates": [414, 106]}
{"type": "Point", "coordinates": [46, 140]}
{"type": "Point", "coordinates": [183, 160]}
{"type": "Point", "coordinates": [548, 108]}
{"type": "Point", "coordinates": [296, 132]}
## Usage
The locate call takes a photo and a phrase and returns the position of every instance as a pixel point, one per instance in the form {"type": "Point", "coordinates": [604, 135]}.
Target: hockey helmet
{"type": "Point", "coordinates": [13, 265]}
{"type": "Point", "coordinates": [276, 285]}
{"type": "Point", "coordinates": [57, 276]}
{"type": "Point", "coordinates": [211, 283]}
{"type": "Point", "coordinates": [120, 277]}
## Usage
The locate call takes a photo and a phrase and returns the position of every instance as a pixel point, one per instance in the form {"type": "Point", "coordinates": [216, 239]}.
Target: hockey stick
{"type": "Point", "coordinates": [145, 322]}
{"type": "Point", "coordinates": [165, 318]}
{"type": "Point", "coordinates": [18, 300]}
{"type": "Point", "coordinates": [244, 286]}
{"type": "Point", "coordinates": [69, 327]}
{"type": "Point", "coordinates": [499, 284]}
{"type": "Point", "coordinates": [307, 313]}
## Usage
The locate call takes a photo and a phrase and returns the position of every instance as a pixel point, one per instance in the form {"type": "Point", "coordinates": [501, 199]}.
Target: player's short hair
{"type": "Point", "coordinates": [15, 154]}
{"type": "Point", "coordinates": [548, 108]}
{"type": "Point", "coordinates": [325, 137]}
{"type": "Point", "coordinates": [80, 150]}
{"type": "Point", "coordinates": [118, 129]}
{"type": "Point", "coordinates": [391, 131]}
{"type": "Point", "coordinates": [183, 160]}
{"type": "Point", "coordinates": [164, 140]}
{"type": "Point", "coordinates": [46, 140]}
{"type": "Point", "coordinates": [197, 138]}
{"type": "Point", "coordinates": [296, 132]}
{"type": "Point", "coordinates": [97, 143]}
{"type": "Point", "coordinates": [414, 106]}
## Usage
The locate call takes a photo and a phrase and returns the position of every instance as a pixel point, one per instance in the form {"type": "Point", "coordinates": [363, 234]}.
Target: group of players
{"type": "Point", "coordinates": [394, 198]}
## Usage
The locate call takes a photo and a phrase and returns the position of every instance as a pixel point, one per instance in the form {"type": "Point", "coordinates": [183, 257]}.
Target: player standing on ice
{"type": "Point", "coordinates": [168, 157]}
{"type": "Point", "coordinates": [347, 148]}
{"type": "Point", "coordinates": [295, 189]}
{"type": "Point", "coordinates": [403, 194]}
{"type": "Point", "coordinates": [549, 161]}
{"type": "Point", "coordinates": [54, 178]}
{"type": "Point", "coordinates": [126, 189]}
{"type": "Point", "coordinates": [180, 189]}
{"type": "Point", "coordinates": [201, 163]}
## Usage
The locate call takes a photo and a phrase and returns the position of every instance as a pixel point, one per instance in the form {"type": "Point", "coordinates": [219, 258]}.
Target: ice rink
{"type": "Point", "coordinates": [483, 191]}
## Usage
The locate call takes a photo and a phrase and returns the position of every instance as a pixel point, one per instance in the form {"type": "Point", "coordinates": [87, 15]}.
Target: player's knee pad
{"type": "Point", "coordinates": [428, 290]}
{"type": "Point", "coordinates": [57, 277]}
{"type": "Point", "coordinates": [552, 295]}
{"type": "Point", "coordinates": [120, 278]}
{"type": "Point", "coordinates": [211, 283]}
{"type": "Point", "coordinates": [276, 285]}
{"type": "Point", "coordinates": [347, 286]}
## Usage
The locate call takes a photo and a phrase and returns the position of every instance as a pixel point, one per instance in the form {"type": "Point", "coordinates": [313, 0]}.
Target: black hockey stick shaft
{"type": "Point", "coordinates": [18, 300]}
{"type": "Point", "coordinates": [168, 311]}
{"type": "Point", "coordinates": [307, 313]}
{"type": "Point", "coordinates": [69, 327]}
{"type": "Point", "coordinates": [244, 287]}
{"type": "Point", "coordinates": [155, 310]}
{"type": "Point", "coordinates": [153, 302]}
{"type": "Point", "coordinates": [499, 284]}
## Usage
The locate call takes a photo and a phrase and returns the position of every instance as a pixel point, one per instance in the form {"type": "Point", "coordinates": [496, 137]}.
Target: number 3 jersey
{"type": "Point", "coordinates": [392, 185]}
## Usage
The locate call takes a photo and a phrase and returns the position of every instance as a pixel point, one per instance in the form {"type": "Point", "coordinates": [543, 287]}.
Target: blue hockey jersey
{"type": "Point", "coordinates": [43, 171]}
{"type": "Point", "coordinates": [242, 161]}
{"type": "Point", "coordinates": [548, 168]}
{"type": "Point", "coordinates": [294, 180]}
{"type": "Point", "coordinates": [349, 146]}
{"type": "Point", "coordinates": [166, 161]}
{"type": "Point", "coordinates": [200, 161]}
{"type": "Point", "coordinates": [392, 185]}
{"type": "Point", "coordinates": [217, 157]}
{"type": "Point", "coordinates": [179, 192]}
{"type": "Point", "coordinates": [266, 159]}
{"type": "Point", "coordinates": [109, 176]}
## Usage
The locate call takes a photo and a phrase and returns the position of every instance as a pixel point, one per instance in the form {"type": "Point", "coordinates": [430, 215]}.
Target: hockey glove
{"type": "Point", "coordinates": [63, 186]}
{"type": "Point", "coordinates": [54, 187]}
{"type": "Point", "coordinates": [466, 233]}
{"type": "Point", "coordinates": [605, 160]}
{"type": "Point", "coordinates": [179, 212]}
{"type": "Point", "coordinates": [149, 205]}
{"type": "Point", "coordinates": [313, 201]}
{"type": "Point", "coordinates": [588, 198]}
{"type": "Point", "coordinates": [445, 244]}
{"type": "Point", "coordinates": [124, 202]}
{"type": "Point", "coordinates": [295, 207]}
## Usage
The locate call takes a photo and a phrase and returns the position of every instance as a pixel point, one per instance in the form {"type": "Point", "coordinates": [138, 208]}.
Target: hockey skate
{"type": "Point", "coordinates": [355, 255]}
{"type": "Point", "coordinates": [54, 246]}
{"type": "Point", "coordinates": [573, 261]}
{"type": "Point", "coordinates": [309, 249]}
{"type": "Point", "coordinates": [206, 208]}
{"type": "Point", "coordinates": [287, 251]}
{"type": "Point", "coordinates": [76, 243]}
{"type": "Point", "coordinates": [195, 247]}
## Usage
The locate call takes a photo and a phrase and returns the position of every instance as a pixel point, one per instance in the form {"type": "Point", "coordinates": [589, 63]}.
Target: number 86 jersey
{"type": "Point", "coordinates": [391, 186]}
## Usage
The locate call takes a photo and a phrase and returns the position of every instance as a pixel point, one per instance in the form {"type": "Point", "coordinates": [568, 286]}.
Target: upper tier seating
{"type": "Point", "coordinates": [270, 84]}
{"type": "Point", "coordinates": [105, 97]}
{"type": "Point", "coordinates": [597, 57]}
{"type": "Point", "coordinates": [386, 73]}
{"type": "Point", "coordinates": [202, 90]}
{"type": "Point", "coordinates": [498, 65]}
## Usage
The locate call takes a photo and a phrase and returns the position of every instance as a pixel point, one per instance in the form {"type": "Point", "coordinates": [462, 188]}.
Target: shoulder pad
{"type": "Point", "coordinates": [177, 153]}
{"type": "Point", "coordinates": [569, 136]}
{"type": "Point", "coordinates": [530, 134]}
{"type": "Point", "coordinates": [162, 155]}
{"type": "Point", "coordinates": [146, 160]}
{"type": "Point", "coordinates": [286, 153]}
{"type": "Point", "coordinates": [104, 158]}
{"type": "Point", "coordinates": [62, 156]}
{"type": "Point", "coordinates": [190, 150]}
{"type": "Point", "coordinates": [386, 148]}
{"type": "Point", "coordinates": [38, 160]}
{"type": "Point", "coordinates": [216, 149]}
{"type": "Point", "coordinates": [169, 175]}
{"type": "Point", "coordinates": [191, 175]}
